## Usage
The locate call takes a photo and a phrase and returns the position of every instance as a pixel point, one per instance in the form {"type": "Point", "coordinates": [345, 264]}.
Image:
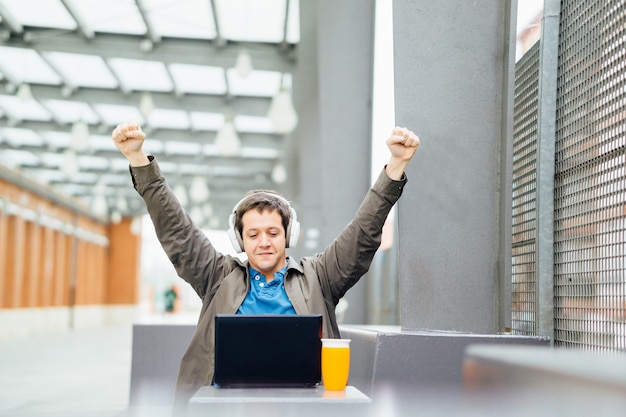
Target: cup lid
{"type": "Point", "coordinates": [336, 343]}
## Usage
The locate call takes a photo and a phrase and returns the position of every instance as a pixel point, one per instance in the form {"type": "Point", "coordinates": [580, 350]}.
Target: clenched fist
{"type": "Point", "coordinates": [129, 138]}
{"type": "Point", "coordinates": [402, 144]}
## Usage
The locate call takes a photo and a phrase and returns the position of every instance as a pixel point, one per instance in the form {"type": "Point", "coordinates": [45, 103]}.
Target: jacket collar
{"type": "Point", "coordinates": [293, 264]}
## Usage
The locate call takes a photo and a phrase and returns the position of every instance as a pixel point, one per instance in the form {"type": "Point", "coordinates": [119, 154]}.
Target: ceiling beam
{"type": "Point", "coordinates": [219, 39]}
{"type": "Point", "coordinates": [286, 23]}
{"type": "Point", "coordinates": [246, 167]}
{"type": "Point", "coordinates": [216, 185]}
{"type": "Point", "coordinates": [10, 21]}
{"type": "Point", "coordinates": [89, 178]}
{"type": "Point", "coordinates": [249, 106]}
{"type": "Point", "coordinates": [265, 56]}
{"type": "Point", "coordinates": [83, 28]}
{"type": "Point", "coordinates": [256, 140]}
{"type": "Point", "coordinates": [151, 33]}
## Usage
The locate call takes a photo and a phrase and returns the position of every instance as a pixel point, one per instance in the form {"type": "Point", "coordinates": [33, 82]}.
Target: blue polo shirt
{"type": "Point", "coordinates": [266, 297]}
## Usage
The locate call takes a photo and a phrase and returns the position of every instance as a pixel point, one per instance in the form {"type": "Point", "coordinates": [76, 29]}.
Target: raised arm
{"type": "Point", "coordinates": [349, 256]}
{"type": "Point", "coordinates": [186, 245]}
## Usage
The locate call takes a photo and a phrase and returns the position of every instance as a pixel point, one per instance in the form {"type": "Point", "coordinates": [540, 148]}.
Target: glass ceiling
{"type": "Point", "coordinates": [71, 70]}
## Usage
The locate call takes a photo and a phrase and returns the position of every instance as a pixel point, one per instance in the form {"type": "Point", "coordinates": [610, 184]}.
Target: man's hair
{"type": "Point", "coordinates": [261, 200]}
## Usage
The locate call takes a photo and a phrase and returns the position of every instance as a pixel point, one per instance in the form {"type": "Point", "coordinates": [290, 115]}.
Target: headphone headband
{"type": "Point", "coordinates": [291, 233]}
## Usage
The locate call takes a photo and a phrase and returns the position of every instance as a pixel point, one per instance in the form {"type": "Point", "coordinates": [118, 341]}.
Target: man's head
{"type": "Point", "coordinates": [263, 224]}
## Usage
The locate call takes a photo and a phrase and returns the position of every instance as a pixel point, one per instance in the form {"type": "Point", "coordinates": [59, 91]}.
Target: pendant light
{"type": "Point", "coordinates": [227, 140]}
{"type": "Point", "coordinates": [282, 113]}
{"type": "Point", "coordinates": [243, 65]}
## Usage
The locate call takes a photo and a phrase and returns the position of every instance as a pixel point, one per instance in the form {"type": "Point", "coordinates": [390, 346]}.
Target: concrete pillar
{"type": "Point", "coordinates": [454, 70]}
{"type": "Point", "coordinates": [332, 93]}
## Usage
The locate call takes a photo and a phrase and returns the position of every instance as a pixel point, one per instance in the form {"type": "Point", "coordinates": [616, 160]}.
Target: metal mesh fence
{"type": "Point", "coordinates": [590, 177]}
{"type": "Point", "coordinates": [524, 285]}
{"type": "Point", "coordinates": [590, 181]}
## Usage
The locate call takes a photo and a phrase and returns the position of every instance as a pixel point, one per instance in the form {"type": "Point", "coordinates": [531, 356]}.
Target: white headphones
{"type": "Point", "coordinates": [292, 232]}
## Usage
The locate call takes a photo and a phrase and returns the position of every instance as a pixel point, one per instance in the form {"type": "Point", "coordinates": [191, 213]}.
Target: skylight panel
{"type": "Point", "coordinates": [53, 160]}
{"type": "Point", "coordinates": [21, 137]}
{"type": "Point", "coordinates": [83, 70]}
{"type": "Point", "coordinates": [115, 179]}
{"type": "Point", "coordinates": [113, 114]}
{"type": "Point", "coordinates": [57, 140]}
{"type": "Point", "coordinates": [66, 111]}
{"type": "Point", "coordinates": [198, 169]}
{"type": "Point", "coordinates": [140, 75]}
{"type": "Point", "coordinates": [88, 178]}
{"type": "Point", "coordinates": [102, 143]}
{"type": "Point", "coordinates": [254, 124]}
{"type": "Point", "coordinates": [40, 13]}
{"type": "Point", "coordinates": [198, 79]}
{"type": "Point", "coordinates": [48, 176]}
{"type": "Point", "coordinates": [19, 109]}
{"type": "Point", "coordinates": [226, 171]}
{"type": "Point", "coordinates": [16, 158]}
{"type": "Point", "coordinates": [21, 65]}
{"type": "Point", "coordinates": [182, 18]}
{"type": "Point", "coordinates": [183, 148]}
{"type": "Point", "coordinates": [168, 167]}
{"type": "Point", "coordinates": [259, 153]}
{"type": "Point", "coordinates": [80, 191]}
{"type": "Point", "coordinates": [94, 162]}
{"type": "Point", "coordinates": [256, 84]}
{"type": "Point", "coordinates": [153, 146]}
{"type": "Point", "coordinates": [112, 16]}
{"type": "Point", "coordinates": [169, 119]}
{"type": "Point", "coordinates": [119, 164]}
{"type": "Point", "coordinates": [252, 20]}
{"type": "Point", "coordinates": [210, 149]}
{"type": "Point", "coordinates": [206, 121]}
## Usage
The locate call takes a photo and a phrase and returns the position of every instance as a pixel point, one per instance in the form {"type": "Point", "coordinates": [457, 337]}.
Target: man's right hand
{"type": "Point", "coordinates": [129, 138]}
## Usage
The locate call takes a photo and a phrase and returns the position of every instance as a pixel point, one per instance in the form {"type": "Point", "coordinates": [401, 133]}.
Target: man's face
{"type": "Point", "coordinates": [264, 241]}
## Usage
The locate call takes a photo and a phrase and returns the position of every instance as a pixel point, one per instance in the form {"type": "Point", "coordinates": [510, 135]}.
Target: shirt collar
{"type": "Point", "coordinates": [278, 275]}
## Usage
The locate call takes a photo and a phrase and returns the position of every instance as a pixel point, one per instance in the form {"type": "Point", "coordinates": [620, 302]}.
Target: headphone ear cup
{"type": "Point", "coordinates": [234, 241]}
{"type": "Point", "coordinates": [234, 237]}
{"type": "Point", "coordinates": [294, 233]}
{"type": "Point", "coordinates": [293, 230]}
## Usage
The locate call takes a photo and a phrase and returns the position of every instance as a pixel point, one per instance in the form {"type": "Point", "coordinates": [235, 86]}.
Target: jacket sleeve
{"type": "Point", "coordinates": [187, 246]}
{"type": "Point", "coordinates": [350, 255]}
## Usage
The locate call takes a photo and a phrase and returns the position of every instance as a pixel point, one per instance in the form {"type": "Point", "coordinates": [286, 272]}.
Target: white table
{"type": "Point", "coordinates": [282, 402]}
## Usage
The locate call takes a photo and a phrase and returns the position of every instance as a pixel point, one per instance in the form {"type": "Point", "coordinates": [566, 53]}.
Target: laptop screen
{"type": "Point", "coordinates": [267, 350]}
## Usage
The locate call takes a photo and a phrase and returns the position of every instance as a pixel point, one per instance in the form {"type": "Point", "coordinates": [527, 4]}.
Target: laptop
{"type": "Point", "coordinates": [278, 351]}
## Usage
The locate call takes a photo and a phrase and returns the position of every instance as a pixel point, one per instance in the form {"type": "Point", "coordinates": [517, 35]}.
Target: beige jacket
{"type": "Point", "coordinates": [314, 284]}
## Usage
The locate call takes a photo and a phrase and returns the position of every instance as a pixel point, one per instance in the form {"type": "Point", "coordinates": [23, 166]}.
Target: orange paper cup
{"type": "Point", "coordinates": [335, 363]}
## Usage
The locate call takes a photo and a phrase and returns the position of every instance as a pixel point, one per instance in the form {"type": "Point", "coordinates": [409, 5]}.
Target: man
{"type": "Point", "coordinates": [263, 225]}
